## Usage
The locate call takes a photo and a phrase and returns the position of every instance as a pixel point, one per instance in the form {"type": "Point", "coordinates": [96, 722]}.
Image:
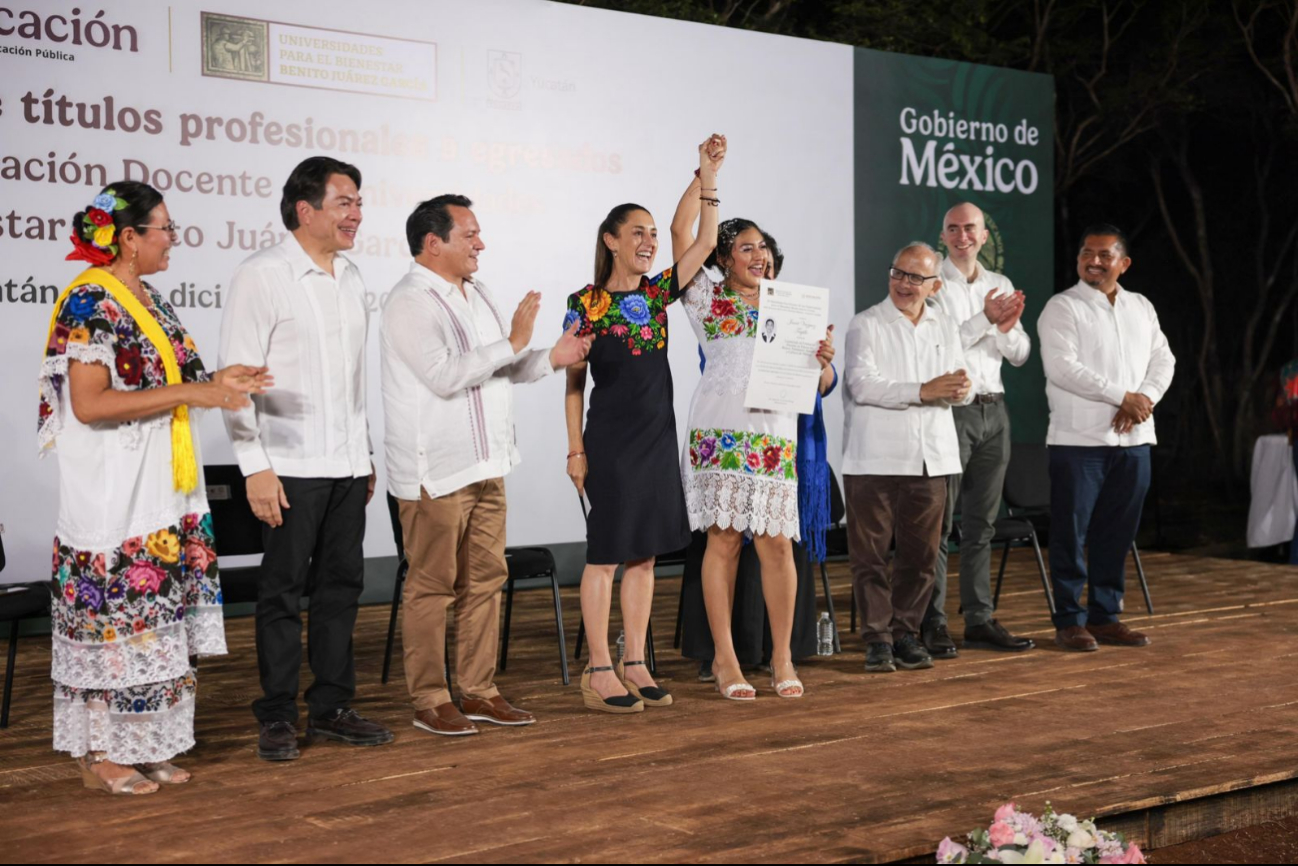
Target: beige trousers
{"type": "Point", "coordinates": [455, 545]}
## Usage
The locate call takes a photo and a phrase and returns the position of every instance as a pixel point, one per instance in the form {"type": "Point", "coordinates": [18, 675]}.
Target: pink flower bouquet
{"type": "Point", "coordinates": [1018, 837]}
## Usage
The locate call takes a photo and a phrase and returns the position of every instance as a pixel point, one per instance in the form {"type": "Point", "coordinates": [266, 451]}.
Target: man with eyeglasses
{"type": "Point", "coordinates": [905, 370]}
{"type": "Point", "coordinates": [987, 309]}
{"type": "Point", "coordinates": [1107, 364]}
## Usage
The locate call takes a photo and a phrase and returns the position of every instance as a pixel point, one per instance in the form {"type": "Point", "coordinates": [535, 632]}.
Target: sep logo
{"type": "Point", "coordinates": [504, 74]}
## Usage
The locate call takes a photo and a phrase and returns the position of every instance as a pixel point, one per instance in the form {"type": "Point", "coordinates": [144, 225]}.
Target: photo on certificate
{"type": "Point", "coordinates": [791, 323]}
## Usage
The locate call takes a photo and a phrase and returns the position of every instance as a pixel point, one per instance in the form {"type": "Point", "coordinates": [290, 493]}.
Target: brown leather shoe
{"type": "Point", "coordinates": [1118, 634]}
{"type": "Point", "coordinates": [445, 719]}
{"type": "Point", "coordinates": [495, 710]}
{"type": "Point", "coordinates": [1076, 638]}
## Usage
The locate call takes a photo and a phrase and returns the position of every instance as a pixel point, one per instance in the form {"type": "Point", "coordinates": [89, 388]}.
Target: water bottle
{"type": "Point", "coordinates": [621, 645]}
{"type": "Point", "coordinates": [825, 636]}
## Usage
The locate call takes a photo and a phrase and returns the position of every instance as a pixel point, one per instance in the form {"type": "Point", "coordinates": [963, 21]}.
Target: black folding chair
{"type": "Point", "coordinates": [1027, 502]}
{"type": "Point", "coordinates": [17, 602]}
{"type": "Point", "coordinates": [523, 562]}
{"type": "Point", "coordinates": [236, 530]}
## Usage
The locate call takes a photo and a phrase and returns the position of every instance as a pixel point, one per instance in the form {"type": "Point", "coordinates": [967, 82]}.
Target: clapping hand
{"type": "Point", "coordinates": [520, 329]}
{"type": "Point", "coordinates": [245, 379]}
{"type": "Point", "coordinates": [570, 349]}
{"type": "Point", "coordinates": [948, 388]}
{"type": "Point", "coordinates": [1004, 311]}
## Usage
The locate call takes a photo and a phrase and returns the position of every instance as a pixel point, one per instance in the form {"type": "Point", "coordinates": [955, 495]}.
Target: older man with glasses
{"type": "Point", "coordinates": [905, 370]}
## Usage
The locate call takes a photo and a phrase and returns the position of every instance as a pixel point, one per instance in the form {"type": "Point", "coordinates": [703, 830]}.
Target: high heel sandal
{"type": "Point", "coordinates": [132, 784]}
{"type": "Point", "coordinates": [653, 696]}
{"type": "Point", "coordinates": [164, 773]}
{"type": "Point", "coordinates": [790, 683]}
{"type": "Point", "coordinates": [740, 685]}
{"type": "Point", "coordinates": [619, 704]}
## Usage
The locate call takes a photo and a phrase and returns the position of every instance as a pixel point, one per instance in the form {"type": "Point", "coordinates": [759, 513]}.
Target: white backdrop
{"type": "Point", "coordinates": [547, 115]}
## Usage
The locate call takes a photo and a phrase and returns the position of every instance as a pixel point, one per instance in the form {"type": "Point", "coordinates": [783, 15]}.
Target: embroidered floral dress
{"type": "Point", "coordinates": [637, 506]}
{"type": "Point", "coordinates": [135, 580]}
{"type": "Point", "coordinates": [739, 465]}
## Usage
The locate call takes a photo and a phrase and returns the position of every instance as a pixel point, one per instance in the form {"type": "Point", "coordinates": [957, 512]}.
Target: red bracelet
{"type": "Point", "coordinates": [572, 454]}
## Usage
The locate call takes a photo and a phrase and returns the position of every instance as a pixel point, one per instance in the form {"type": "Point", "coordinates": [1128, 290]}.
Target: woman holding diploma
{"type": "Point", "coordinates": [624, 461]}
{"type": "Point", "coordinates": [740, 464]}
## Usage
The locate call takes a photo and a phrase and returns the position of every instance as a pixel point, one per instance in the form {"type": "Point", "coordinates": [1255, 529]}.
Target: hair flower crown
{"type": "Point", "coordinates": [95, 240]}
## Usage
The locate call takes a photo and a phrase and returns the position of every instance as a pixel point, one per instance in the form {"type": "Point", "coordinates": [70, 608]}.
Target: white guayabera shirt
{"type": "Point", "coordinates": [887, 428]}
{"type": "Point", "coordinates": [448, 406]}
{"type": "Point", "coordinates": [309, 328]}
{"type": "Point", "coordinates": [985, 345]}
{"type": "Point", "coordinates": [1095, 352]}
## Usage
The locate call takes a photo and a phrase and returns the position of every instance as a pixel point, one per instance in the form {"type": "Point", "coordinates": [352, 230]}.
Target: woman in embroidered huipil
{"type": "Point", "coordinates": [624, 460]}
{"type": "Point", "coordinates": [740, 464]}
{"type": "Point", "coordinates": [135, 590]}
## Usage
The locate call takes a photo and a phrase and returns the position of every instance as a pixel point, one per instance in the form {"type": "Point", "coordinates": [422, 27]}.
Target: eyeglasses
{"type": "Point", "coordinates": [170, 228]}
{"type": "Point", "coordinates": [913, 279]}
{"type": "Point", "coordinates": [1104, 256]}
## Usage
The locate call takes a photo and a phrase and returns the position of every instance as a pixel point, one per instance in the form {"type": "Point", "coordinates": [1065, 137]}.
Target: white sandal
{"type": "Point", "coordinates": [740, 685]}
{"type": "Point", "coordinates": [791, 683]}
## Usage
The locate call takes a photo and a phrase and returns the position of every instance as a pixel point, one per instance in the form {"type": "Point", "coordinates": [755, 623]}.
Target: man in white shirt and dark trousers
{"type": "Point", "coordinates": [448, 364]}
{"type": "Point", "coordinates": [1107, 364]}
{"type": "Point", "coordinates": [304, 449]}
{"type": "Point", "coordinates": [987, 309]}
{"type": "Point", "coordinates": [905, 369]}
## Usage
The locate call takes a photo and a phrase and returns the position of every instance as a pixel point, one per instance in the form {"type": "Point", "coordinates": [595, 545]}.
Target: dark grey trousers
{"type": "Point", "coordinates": [984, 434]}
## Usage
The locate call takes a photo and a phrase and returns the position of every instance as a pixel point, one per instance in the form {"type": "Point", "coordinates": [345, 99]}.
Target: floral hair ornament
{"type": "Point", "coordinates": [95, 240]}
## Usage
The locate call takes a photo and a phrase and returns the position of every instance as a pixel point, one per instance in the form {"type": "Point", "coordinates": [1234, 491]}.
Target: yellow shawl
{"type": "Point", "coordinates": [184, 465]}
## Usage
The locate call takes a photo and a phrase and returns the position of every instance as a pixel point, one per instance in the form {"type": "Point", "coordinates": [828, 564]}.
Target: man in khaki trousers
{"type": "Point", "coordinates": [448, 365]}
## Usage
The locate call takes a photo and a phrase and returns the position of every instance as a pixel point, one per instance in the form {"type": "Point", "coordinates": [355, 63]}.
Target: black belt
{"type": "Point", "coordinates": [989, 398]}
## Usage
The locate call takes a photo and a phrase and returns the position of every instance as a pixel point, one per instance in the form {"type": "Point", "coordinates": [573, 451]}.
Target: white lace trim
{"type": "Point", "coordinates": [130, 433]}
{"type": "Point", "coordinates": [205, 630]}
{"type": "Point", "coordinates": [128, 738]}
{"type": "Point", "coordinates": [750, 504]}
{"type": "Point", "coordinates": [148, 657]}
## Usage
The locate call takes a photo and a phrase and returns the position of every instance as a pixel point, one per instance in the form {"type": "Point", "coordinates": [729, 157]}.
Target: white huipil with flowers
{"type": "Point", "coordinates": [739, 464]}
{"type": "Point", "coordinates": [135, 582]}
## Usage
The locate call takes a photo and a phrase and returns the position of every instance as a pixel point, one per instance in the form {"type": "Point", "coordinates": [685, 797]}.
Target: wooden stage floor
{"type": "Point", "coordinates": [865, 768]}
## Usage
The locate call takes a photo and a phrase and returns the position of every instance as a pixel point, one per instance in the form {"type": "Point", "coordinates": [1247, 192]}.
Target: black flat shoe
{"type": "Point", "coordinates": [937, 640]}
{"type": "Point", "coordinates": [992, 635]}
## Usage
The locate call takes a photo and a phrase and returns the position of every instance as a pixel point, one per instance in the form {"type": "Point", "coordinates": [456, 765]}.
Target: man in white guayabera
{"type": "Point", "coordinates": [448, 367]}
{"type": "Point", "coordinates": [300, 305]}
{"type": "Point", "coordinates": [1107, 364]}
{"type": "Point", "coordinates": [905, 370]}
{"type": "Point", "coordinates": [987, 310]}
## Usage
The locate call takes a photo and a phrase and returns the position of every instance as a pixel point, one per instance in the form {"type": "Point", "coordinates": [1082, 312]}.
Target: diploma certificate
{"type": "Point", "coordinates": [791, 323]}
